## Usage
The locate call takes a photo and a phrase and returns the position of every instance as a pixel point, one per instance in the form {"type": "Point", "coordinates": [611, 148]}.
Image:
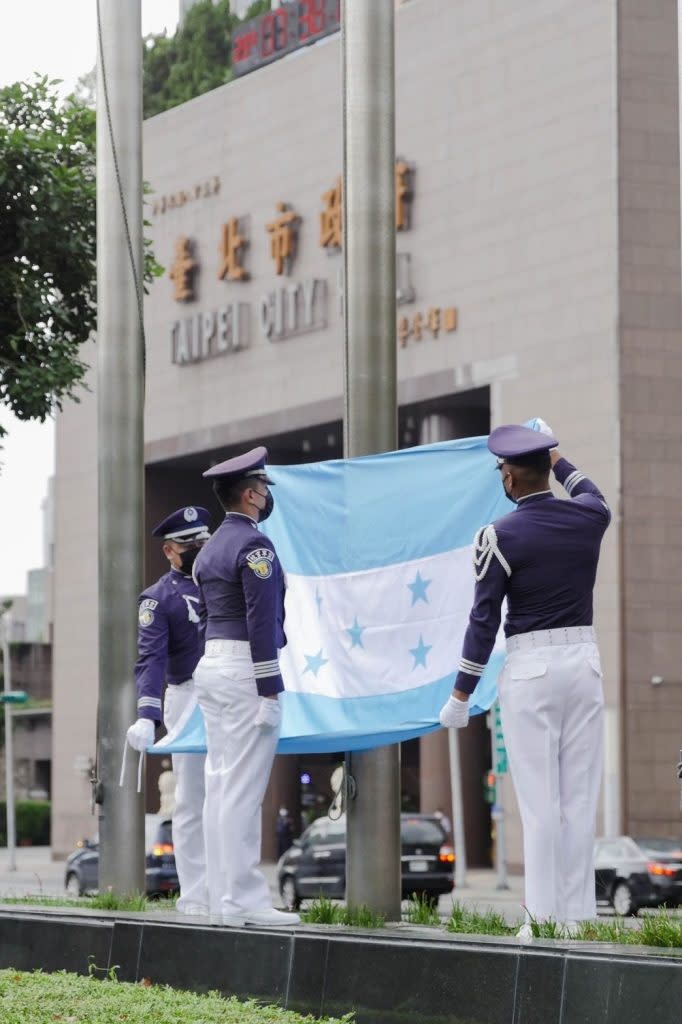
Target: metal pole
{"type": "Point", "coordinates": [458, 834]}
{"type": "Point", "coordinates": [373, 852]}
{"type": "Point", "coordinates": [120, 395]}
{"type": "Point", "coordinates": [9, 748]}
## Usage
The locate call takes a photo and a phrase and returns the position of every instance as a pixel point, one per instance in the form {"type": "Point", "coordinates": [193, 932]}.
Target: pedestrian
{"type": "Point", "coordinates": [285, 831]}
{"type": "Point", "coordinates": [543, 559]}
{"type": "Point", "coordinates": [238, 682]}
{"type": "Point", "coordinates": [445, 822]}
{"type": "Point", "coordinates": [170, 643]}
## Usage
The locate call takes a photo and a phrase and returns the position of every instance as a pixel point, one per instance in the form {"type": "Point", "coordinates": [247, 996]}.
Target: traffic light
{"type": "Point", "coordinates": [489, 787]}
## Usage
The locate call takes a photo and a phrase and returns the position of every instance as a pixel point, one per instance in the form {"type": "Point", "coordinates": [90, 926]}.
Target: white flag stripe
{"type": "Point", "coordinates": [377, 631]}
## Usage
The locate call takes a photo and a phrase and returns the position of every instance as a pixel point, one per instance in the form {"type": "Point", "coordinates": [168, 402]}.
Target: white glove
{"type": "Point", "coordinates": [141, 734]}
{"type": "Point", "coordinates": [540, 426]}
{"type": "Point", "coordinates": [454, 714]}
{"type": "Point", "coordinates": [269, 714]}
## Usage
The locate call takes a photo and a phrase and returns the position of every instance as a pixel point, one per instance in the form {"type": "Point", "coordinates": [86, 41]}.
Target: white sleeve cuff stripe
{"type": "Point", "coordinates": [260, 665]}
{"type": "Point", "coordinates": [468, 671]}
{"type": "Point", "coordinates": [266, 673]}
{"type": "Point", "coordinates": [149, 702]}
{"type": "Point", "coordinates": [472, 664]}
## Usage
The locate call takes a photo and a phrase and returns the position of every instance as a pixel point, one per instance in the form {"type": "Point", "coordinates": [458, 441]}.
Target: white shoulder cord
{"type": "Point", "coordinates": [485, 548]}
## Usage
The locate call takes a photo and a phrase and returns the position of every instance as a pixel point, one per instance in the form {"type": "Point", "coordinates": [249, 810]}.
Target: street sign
{"type": "Point", "coordinates": [501, 764]}
{"type": "Point", "coordinates": [13, 697]}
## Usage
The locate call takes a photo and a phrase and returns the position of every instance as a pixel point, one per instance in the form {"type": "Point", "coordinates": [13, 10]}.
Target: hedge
{"type": "Point", "coordinates": [33, 822]}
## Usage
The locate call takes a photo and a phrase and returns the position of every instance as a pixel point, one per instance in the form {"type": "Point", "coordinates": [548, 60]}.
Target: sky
{"type": "Point", "coordinates": [57, 39]}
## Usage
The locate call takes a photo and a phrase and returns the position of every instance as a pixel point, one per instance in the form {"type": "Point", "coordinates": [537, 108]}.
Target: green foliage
{"type": "Point", "coordinates": [196, 59]}
{"type": "Point", "coordinates": [32, 819]}
{"type": "Point", "coordinates": [47, 246]}
{"type": "Point", "coordinates": [36, 998]}
{"type": "Point", "coordinates": [421, 910]}
{"type": "Point", "coordinates": [464, 921]}
{"type": "Point", "coordinates": [109, 900]}
{"type": "Point", "coordinates": [325, 911]}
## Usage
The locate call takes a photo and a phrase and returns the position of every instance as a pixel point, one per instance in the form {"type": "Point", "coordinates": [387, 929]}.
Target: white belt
{"type": "Point", "coordinates": [219, 646]}
{"type": "Point", "coordinates": [551, 638]}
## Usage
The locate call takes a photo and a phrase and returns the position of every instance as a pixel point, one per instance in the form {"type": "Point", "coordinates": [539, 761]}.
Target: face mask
{"type": "Point", "coordinates": [507, 494]}
{"type": "Point", "coordinates": [266, 510]}
{"type": "Point", "coordinates": [187, 559]}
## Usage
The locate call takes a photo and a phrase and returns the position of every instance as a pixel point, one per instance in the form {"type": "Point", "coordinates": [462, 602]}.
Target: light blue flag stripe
{"type": "Point", "coordinates": [352, 514]}
{"type": "Point", "coordinates": [315, 725]}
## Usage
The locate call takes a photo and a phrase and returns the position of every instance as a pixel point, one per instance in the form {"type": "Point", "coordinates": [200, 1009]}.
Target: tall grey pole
{"type": "Point", "coordinates": [373, 817]}
{"type": "Point", "coordinates": [9, 746]}
{"type": "Point", "coordinates": [458, 832]}
{"type": "Point", "coordinates": [120, 397]}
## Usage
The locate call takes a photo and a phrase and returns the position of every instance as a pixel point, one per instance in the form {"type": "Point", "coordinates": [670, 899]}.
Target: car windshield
{"type": "Point", "coordinates": [672, 847]}
{"type": "Point", "coordinates": [421, 830]}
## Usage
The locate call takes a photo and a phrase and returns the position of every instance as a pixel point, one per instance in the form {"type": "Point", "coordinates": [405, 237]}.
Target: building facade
{"type": "Point", "coordinates": [538, 242]}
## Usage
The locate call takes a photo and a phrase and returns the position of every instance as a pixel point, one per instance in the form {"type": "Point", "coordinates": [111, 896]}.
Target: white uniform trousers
{"type": "Point", "coordinates": [238, 764]}
{"type": "Point", "coordinates": [188, 827]}
{"type": "Point", "coordinates": [551, 704]}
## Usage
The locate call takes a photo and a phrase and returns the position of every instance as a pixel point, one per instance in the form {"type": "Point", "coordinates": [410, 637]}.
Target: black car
{"type": "Point", "coordinates": [630, 873]}
{"type": "Point", "coordinates": [316, 864]}
{"type": "Point", "coordinates": [161, 876]}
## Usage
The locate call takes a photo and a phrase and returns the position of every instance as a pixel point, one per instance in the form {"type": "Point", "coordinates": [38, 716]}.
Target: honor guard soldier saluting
{"type": "Point", "coordinates": [170, 643]}
{"type": "Point", "coordinates": [543, 559]}
{"type": "Point", "coordinates": [238, 681]}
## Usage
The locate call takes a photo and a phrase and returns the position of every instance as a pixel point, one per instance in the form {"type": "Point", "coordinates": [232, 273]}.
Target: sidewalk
{"type": "Point", "coordinates": [38, 875]}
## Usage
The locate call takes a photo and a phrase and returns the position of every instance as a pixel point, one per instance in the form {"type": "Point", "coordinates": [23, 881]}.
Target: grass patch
{"type": "Point", "coordinates": [547, 929]}
{"type": "Point", "coordinates": [421, 910]}
{"type": "Point", "coordinates": [35, 998]}
{"type": "Point", "coordinates": [325, 911]}
{"type": "Point", "coordinates": [463, 921]}
{"type": "Point", "coordinates": [101, 901]}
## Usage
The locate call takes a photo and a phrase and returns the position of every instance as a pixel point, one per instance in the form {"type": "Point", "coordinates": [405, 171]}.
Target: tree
{"type": "Point", "coordinates": [195, 59]}
{"type": "Point", "coordinates": [47, 246]}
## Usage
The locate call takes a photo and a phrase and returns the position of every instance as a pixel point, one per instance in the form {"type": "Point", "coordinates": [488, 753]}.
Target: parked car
{"type": "Point", "coordinates": [161, 876]}
{"type": "Point", "coordinates": [316, 864]}
{"type": "Point", "coordinates": [633, 873]}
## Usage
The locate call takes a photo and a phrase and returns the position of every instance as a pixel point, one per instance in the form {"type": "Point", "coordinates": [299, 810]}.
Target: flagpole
{"type": "Point", "coordinates": [373, 817]}
{"type": "Point", "coordinates": [120, 397]}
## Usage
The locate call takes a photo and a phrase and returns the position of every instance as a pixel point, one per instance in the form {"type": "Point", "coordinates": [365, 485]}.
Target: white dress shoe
{"type": "Point", "coordinates": [525, 932]}
{"type": "Point", "coordinates": [272, 918]}
{"type": "Point", "coordinates": [193, 909]}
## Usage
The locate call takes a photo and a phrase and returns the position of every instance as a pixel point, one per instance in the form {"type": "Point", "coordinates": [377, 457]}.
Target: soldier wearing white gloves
{"type": "Point", "coordinates": [170, 643]}
{"type": "Point", "coordinates": [543, 559]}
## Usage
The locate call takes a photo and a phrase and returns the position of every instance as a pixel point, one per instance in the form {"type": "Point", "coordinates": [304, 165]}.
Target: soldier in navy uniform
{"type": "Point", "coordinates": [238, 680]}
{"type": "Point", "coordinates": [170, 643]}
{"type": "Point", "coordinates": [543, 559]}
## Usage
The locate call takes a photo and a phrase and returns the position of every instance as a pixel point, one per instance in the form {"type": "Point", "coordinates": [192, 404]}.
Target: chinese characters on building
{"type": "Point", "coordinates": [294, 307]}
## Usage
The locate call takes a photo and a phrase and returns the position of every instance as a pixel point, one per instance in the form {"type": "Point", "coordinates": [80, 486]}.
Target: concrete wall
{"type": "Point", "coordinates": [650, 380]}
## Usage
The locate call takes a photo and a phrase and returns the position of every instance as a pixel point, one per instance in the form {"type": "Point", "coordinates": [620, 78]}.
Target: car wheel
{"type": "Point", "coordinates": [290, 897]}
{"type": "Point", "coordinates": [73, 885]}
{"type": "Point", "coordinates": [623, 901]}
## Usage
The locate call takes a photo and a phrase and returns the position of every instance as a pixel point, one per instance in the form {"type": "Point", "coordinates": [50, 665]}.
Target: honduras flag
{"type": "Point", "coordinates": [377, 553]}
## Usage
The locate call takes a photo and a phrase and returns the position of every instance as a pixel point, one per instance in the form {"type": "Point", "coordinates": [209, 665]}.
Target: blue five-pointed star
{"type": "Point", "coordinates": [418, 589]}
{"type": "Point", "coordinates": [355, 633]}
{"type": "Point", "coordinates": [420, 652]}
{"type": "Point", "coordinates": [315, 662]}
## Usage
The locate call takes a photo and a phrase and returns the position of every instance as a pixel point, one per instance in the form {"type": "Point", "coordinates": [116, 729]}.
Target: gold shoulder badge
{"type": "Point", "coordinates": [260, 561]}
{"type": "Point", "coordinates": [146, 613]}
